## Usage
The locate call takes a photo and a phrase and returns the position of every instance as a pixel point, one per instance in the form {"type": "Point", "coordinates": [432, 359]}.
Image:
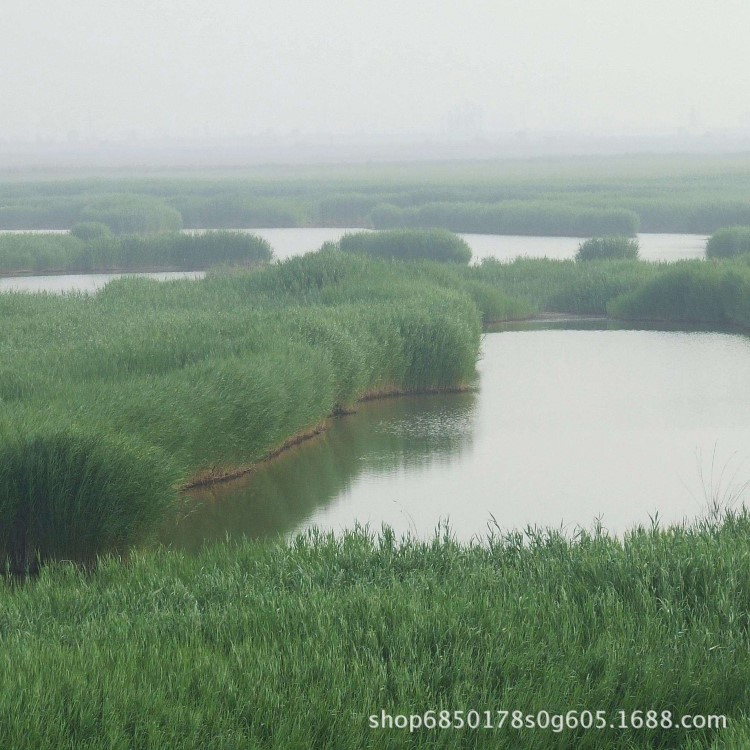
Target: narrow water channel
{"type": "Point", "coordinates": [565, 427]}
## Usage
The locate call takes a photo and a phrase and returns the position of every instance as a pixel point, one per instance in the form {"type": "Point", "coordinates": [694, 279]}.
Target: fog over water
{"type": "Point", "coordinates": [370, 79]}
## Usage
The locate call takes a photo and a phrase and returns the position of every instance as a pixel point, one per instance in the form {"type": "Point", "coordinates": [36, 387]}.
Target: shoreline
{"type": "Point", "coordinates": [208, 477]}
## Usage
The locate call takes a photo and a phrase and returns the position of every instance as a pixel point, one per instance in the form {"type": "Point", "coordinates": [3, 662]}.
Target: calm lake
{"type": "Point", "coordinates": [296, 241]}
{"type": "Point", "coordinates": [565, 426]}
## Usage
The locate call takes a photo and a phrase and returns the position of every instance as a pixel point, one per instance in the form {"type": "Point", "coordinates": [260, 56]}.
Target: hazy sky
{"type": "Point", "coordinates": [114, 68]}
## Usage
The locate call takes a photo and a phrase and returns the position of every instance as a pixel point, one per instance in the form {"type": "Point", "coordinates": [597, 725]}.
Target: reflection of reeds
{"type": "Point", "coordinates": [278, 495]}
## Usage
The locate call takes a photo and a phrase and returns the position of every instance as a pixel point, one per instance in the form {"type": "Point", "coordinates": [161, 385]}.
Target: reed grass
{"type": "Point", "coordinates": [128, 213]}
{"type": "Point", "coordinates": [296, 644]}
{"type": "Point", "coordinates": [691, 292]}
{"type": "Point", "coordinates": [546, 285]}
{"type": "Point", "coordinates": [580, 197]}
{"type": "Point", "coordinates": [207, 377]}
{"type": "Point", "coordinates": [91, 230]}
{"type": "Point", "coordinates": [409, 244]}
{"type": "Point", "coordinates": [88, 249]}
{"type": "Point", "coordinates": [608, 248]}
{"type": "Point", "coordinates": [728, 242]}
{"type": "Point", "coordinates": [511, 217]}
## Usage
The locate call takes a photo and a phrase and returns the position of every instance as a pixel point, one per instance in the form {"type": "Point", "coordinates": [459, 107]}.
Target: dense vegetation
{"type": "Point", "coordinates": [90, 248]}
{"type": "Point", "coordinates": [169, 383]}
{"type": "Point", "coordinates": [606, 248]}
{"type": "Point", "coordinates": [728, 242]}
{"type": "Point", "coordinates": [111, 402]}
{"type": "Point", "coordinates": [436, 244]}
{"type": "Point", "coordinates": [582, 197]}
{"type": "Point", "coordinates": [716, 295]}
{"type": "Point", "coordinates": [509, 217]}
{"type": "Point", "coordinates": [296, 644]}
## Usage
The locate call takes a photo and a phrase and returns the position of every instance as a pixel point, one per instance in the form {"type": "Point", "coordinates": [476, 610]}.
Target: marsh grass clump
{"type": "Point", "coordinates": [409, 244]}
{"type": "Point", "coordinates": [66, 494]}
{"type": "Point", "coordinates": [608, 248]}
{"type": "Point", "coordinates": [91, 247]}
{"type": "Point", "coordinates": [191, 251]}
{"type": "Point", "coordinates": [689, 292]}
{"type": "Point", "coordinates": [728, 242]}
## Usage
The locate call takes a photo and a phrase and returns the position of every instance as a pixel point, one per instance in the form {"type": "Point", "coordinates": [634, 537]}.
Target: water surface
{"type": "Point", "coordinates": [565, 427]}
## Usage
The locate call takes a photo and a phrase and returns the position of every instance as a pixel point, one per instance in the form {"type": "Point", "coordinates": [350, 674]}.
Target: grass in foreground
{"type": "Point", "coordinates": [295, 644]}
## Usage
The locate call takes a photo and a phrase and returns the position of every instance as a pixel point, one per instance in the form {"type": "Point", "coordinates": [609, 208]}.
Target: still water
{"type": "Point", "coordinates": [287, 243]}
{"type": "Point", "coordinates": [658, 247]}
{"type": "Point", "coordinates": [564, 427]}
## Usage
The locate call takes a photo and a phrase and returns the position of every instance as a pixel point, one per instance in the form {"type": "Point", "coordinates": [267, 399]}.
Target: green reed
{"type": "Point", "coordinates": [91, 249]}
{"type": "Point", "coordinates": [409, 244]}
{"type": "Point", "coordinates": [202, 378]}
{"type": "Point", "coordinates": [295, 644]}
{"type": "Point", "coordinates": [608, 248]}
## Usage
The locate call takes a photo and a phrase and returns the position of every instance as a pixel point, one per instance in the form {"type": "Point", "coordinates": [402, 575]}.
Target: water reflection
{"type": "Point", "coordinates": [567, 426]}
{"type": "Point", "coordinates": [412, 434]}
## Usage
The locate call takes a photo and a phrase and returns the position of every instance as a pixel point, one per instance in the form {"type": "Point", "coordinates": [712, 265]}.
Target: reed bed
{"type": "Point", "coordinates": [728, 242]}
{"type": "Point", "coordinates": [128, 213]}
{"type": "Point", "coordinates": [203, 378]}
{"type": "Point", "coordinates": [295, 644]}
{"type": "Point", "coordinates": [98, 250]}
{"type": "Point", "coordinates": [608, 248]}
{"type": "Point", "coordinates": [546, 285]}
{"type": "Point", "coordinates": [244, 361]}
{"type": "Point", "coordinates": [582, 197]}
{"type": "Point", "coordinates": [408, 244]}
{"type": "Point", "coordinates": [511, 217]}
{"type": "Point", "coordinates": [716, 294]}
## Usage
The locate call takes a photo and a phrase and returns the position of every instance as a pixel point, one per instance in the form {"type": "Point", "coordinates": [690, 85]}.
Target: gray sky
{"type": "Point", "coordinates": [184, 68]}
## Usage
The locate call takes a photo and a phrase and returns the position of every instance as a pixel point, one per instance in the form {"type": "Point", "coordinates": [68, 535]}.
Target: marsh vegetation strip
{"type": "Point", "coordinates": [290, 242]}
{"type": "Point", "coordinates": [87, 282]}
{"type": "Point", "coordinates": [567, 426]}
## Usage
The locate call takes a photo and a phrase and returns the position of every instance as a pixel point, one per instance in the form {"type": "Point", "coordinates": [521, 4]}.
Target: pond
{"type": "Point", "coordinates": [565, 426]}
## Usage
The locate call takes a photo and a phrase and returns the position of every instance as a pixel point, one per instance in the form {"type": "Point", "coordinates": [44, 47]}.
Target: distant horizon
{"type": "Point", "coordinates": [254, 150]}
